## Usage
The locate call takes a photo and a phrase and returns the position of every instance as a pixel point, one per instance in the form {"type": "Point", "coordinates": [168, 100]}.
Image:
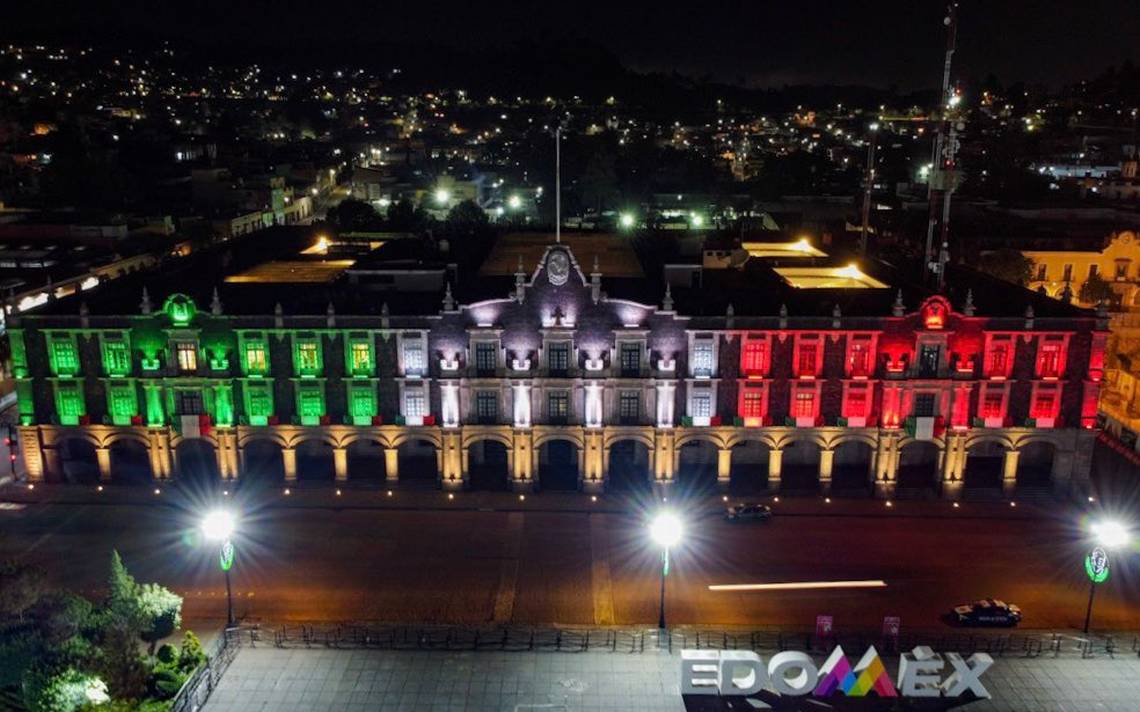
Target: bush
{"type": "Point", "coordinates": [192, 654]}
{"type": "Point", "coordinates": [167, 654]}
{"type": "Point", "coordinates": [160, 610]}
{"type": "Point", "coordinates": [69, 690]}
{"type": "Point", "coordinates": [167, 681]}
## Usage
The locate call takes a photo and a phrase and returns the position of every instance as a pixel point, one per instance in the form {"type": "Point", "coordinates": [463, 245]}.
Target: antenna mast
{"type": "Point", "coordinates": [558, 183]}
{"type": "Point", "coordinates": [944, 177]}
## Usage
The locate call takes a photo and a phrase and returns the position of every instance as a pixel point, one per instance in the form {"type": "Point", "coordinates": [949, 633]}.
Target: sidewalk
{"type": "Point", "coordinates": [353, 496]}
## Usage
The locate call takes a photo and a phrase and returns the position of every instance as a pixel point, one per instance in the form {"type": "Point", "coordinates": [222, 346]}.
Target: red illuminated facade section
{"type": "Point", "coordinates": [930, 372]}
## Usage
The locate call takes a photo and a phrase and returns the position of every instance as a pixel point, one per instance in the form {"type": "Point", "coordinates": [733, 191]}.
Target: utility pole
{"type": "Point", "coordinates": [943, 177]}
{"type": "Point", "coordinates": [868, 188]}
{"type": "Point", "coordinates": [558, 183]}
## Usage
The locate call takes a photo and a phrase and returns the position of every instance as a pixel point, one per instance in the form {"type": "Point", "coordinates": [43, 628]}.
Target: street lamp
{"type": "Point", "coordinates": [1108, 535]}
{"type": "Point", "coordinates": [626, 220]}
{"type": "Point", "coordinates": [442, 196]}
{"type": "Point", "coordinates": [666, 530]}
{"type": "Point", "coordinates": [218, 526]}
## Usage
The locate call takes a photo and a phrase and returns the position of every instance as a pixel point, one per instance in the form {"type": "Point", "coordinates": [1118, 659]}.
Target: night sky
{"type": "Point", "coordinates": [763, 43]}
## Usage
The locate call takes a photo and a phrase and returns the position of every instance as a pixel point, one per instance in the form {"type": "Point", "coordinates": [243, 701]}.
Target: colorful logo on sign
{"type": "Point", "coordinates": [868, 675]}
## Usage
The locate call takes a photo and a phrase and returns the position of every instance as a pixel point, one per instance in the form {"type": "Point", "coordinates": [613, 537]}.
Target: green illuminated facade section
{"type": "Point", "coordinates": [254, 351]}
{"type": "Point", "coordinates": [116, 352]}
{"type": "Point", "coordinates": [180, 308]}
{"type": "Point", "coordinates": [223, 412]}
{"type": "Point", "coordinates": [310, 401]}
{"type": "Point", "coordinates": [70, 404]}
{"type": "Point", "coordinates": [19, 353]}
{"type": "Point", "coordinates": [362, 406]}
{"type": "Point", "coordinates": [63, 353]}
{"type": "Point", "coordinates": [122, 401]}
{"type": "Point", "coordinates": [308, 359]}
{"type": "Point", "coordinates": [359, 356]}
{"type": "Point", "coordinates": [257, 399]}
{"type": "Point", "coordinates": [155, 410]}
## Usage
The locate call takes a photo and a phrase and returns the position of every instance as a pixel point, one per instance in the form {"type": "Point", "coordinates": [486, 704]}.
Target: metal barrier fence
{"type": "Point", "coordinates": [196, 691]}
{"type": "Point", "coordinates": [1027, 644]}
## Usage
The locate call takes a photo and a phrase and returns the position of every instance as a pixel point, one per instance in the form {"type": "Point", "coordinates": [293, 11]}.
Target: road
{"type": "Point", "coordinates": [325, 562]}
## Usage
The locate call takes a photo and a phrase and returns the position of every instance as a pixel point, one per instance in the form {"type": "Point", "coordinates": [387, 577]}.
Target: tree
{"type": "Point", "coordinates": [1007, 264]}
{"type": "Point", "coordinates": [466, 218]}
{"type": "Point", "coordinates": [69, 690]}
{"type": "Point", "coordinates": [353, 215]}
{"type": "Point", "coordinates": [403, 216]}
{"type": "Point", "coordinates": [1096, 290]}
{"type": "Point", "coordinates": [21, 585]}
{"type": "Point", "coordinates": [161, 612]}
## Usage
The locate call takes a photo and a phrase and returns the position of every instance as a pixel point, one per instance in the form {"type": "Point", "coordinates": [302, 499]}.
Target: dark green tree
{"type": "Point", "coordinates": [21, 585]}
{"type": "Point", "coordinates": [1007, 264]}
{"type": "Point", "coordinates": [1096, 290]}
{"type": "Point", "coordinates": [465, 219]}
{"type": "Point", "coordinates": [353, 215]}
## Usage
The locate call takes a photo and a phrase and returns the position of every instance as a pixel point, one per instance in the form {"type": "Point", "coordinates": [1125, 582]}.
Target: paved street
{"type": "Point", "coordinates": [358, 680]}
{"type": "Point", "coordinates": [550, 560]}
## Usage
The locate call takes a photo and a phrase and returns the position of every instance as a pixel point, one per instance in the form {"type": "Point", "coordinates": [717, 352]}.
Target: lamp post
{"type": "Point", "coordinates": [666, 531]}
{"type": "Point", "coordinates": [218, 526]}
{"type": "Point", "coordinates": [1108, 535]}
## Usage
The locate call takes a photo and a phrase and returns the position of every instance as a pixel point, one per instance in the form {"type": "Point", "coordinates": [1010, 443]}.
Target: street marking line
{"type": "Point", "coordinates": [798, 585]}
{"type": "Point", "coordinates": [600, 580]}
{"type": "Point", "coordinates": [509, 569]}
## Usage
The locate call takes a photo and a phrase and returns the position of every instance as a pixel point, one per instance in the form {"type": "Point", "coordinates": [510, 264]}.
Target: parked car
{"type": "Point", "coordinates": [748, 512]}
{"type": "Point", "coordinates": [987, 612]}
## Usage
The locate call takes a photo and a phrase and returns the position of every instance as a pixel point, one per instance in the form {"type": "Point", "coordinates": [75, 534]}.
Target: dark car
{"type": "Point", "coordinates": [987, 612]}
{"type": "Point", "coordinates": [748, 512]}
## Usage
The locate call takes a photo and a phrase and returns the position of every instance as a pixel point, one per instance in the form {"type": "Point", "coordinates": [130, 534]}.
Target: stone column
{"type": "Point", "coordinates": [340, 463]}
{"type": "Point", "coordinates": [592, 463]}
{"type": "Point", "coordinates": [723, 467]}
{"type": "Point", "coordinates": [522, 461]}
{"type": "Point", "coordinates": [454, 460]}
{"type": "Point", "coordinates": [665, 464]}
{"type": "Point", "coordinates": [32, 452]}
{"type": "Point", "coordinates": [1009, 472]}
{"type": "Point", "coordinates": [289, 459]}
{"type": "Point", "coordinates": [951, 465]}
{"type": "Point", "coordinates": [103, 457]}
{"type": "Point", "coordinates": [826, 460]}
{"type": "Point", "coordinates": [775, 464]}
{"type": "Point", "coordinates": [391, 465]}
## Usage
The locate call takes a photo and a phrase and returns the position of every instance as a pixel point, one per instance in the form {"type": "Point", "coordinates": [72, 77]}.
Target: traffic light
{"type": "Point", "coordinates": [13, 444]}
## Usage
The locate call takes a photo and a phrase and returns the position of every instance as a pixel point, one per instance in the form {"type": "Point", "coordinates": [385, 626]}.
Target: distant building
{"type": "Point", "coordinates": [1116, 262]}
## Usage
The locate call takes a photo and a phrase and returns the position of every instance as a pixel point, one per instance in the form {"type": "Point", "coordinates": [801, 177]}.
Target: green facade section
{"type": "Point", "coordinates": [359, 355]}
{"type": "Point", "coordinates": [362, 405]}
{"type": "Point", "coordinates": [122, 401]}
{"type": "Point", "coordinates": [63, 353]}
{"type": "Point", "coordinates": [258, 401]}
{"type": "Point", "coordinates": [310, 401]}
{"type": "Point", "coordinates": [115, 348]}
{"type": "Point", "coordinates": [254, 349]}
{"type": "Point", "coordinates": [19, 353]}
{"type": "Point", "coordinates": [70, 404]}
{"type": "Point", "coordinates": [308, 357]}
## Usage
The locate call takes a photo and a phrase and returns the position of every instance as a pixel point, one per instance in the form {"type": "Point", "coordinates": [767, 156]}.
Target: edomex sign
{"type": "Point", "coordinates": [921, 673]}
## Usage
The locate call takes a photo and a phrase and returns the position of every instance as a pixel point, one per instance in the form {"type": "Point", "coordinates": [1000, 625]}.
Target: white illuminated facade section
{"type": "Point", "coordinates": [522, 405]}
{"type": "Point", "coordinates": [593, 405]}
{"type": "Point", "coordinates": [449, 393]}
{"type": "Point", "coordinates": [665, 404]}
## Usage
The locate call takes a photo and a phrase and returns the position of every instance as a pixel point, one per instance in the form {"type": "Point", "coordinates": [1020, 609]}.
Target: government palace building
{"type": "Point", "coordinates": [559, 365]}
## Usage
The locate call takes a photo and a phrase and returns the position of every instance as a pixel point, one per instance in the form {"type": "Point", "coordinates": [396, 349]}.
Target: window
{"type": "Point", "coordinates": [1067, 274]}
{"type": "Point", "coordinates": [310, 403]}
{"type": "Point", "coordinates": [1121, 270]}
{"type": "Point", "coordinates": [1094, 270]}
{"type": "Point", "coordinates": [1042, 271]}
{"type": "Point", "coordinates": [631, 359]}
{"type": "Point", "coordinates": [308, 358]}
{"type": "Point", "coordinates": [360, 353]}
{"type": "Point", "coordinates": [256, 359]}
{"type": "Point", "coordinates": [486, 406]}
{"type": "Point", "coordinates": [857, 403]}
{"type": "Point", "coordinates": [122, 402]}
{"type": "Point", "coordinates": [702, 404]}
{"type": "Point", "coordinates": [754, 357]}
{"type": "Point", "coordinates": [187, 353]}
{"type": "Point", "coordinates": [414, 358]}
{"type": "Point", "coordinates": [116, 355]}
{"type": "Point", "coordinates": [998, 360]}
{"type": "Point", "coordinates": [558, 357]}
{"type": "Point", "coordinates": [805, 365]}
{"type": "Point", "coordinates": [1049, 361]}
{"type": "Point", "coordinates": [486, 360]}
{"type": "Point", "coordinates": [558, 406]}
{"type": "Point", "coordinates": [1045, 403]}
{"type": "Point", "coordinates": [362, 402]}
{"type": "Point", "coordinates": [415, 405]}
{"type": "Point", "coordinates": [703, 358]}
{"type": "Point", "coordinates": [992, 404]}
{"type": "Point", "coordinates": [803, 405]}
{"type": "Point", "coordinates": [64, 357]}
{"type": "Point", "coordinates": [924, 405]}
{"type": "Point", "coordinates": [188, 403]}
{"type": "Point", "coordinates": [629, 406]}
{"type": "Point", "coordinates": [752, 405]}
{"type": "Point", "coordinates": [259, 402]}
{"type": "Point", "coordinates": [69, 402]}
{"type": "Point", "coordinates": [928, 359]}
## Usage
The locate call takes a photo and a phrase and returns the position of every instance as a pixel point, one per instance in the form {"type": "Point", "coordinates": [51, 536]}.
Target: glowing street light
{"type": "Point", "coordinates": [218, 526]}
{"type": "Point", "coordinates": [666, 530]}
{"type": "Point", "coordinates": [626, 220]}
{"type": "Point", "coordinates": [697, 220]}
{"type": "Point", "coordinates": [1108, 535]}
{"type": "Point", "coordinates": [442, 196]}
{"type": "Point", "coordinates": [514, 202]}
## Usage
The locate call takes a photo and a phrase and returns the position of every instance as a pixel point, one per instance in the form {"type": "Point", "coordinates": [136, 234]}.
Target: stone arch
{"type": "Point", "coordinates": [792, 438]}
{"type": "Point", "coordinates": [747, 436]}
{"type": "Point", "coordinates": [121, 436]}
{"type": "Point", "coordinates": [355, 437]}
{"type": "Point", "coordinates": [263, 461]}
{"type": "Point", "coordinates": [748, 471]}
{"type": "Point", "coordinates": [612, 438]}
{"type": "Point", "coordinates": [270, 435]}
{"type": "Point", "coordinates": [305, 436]}
{"type": "Point", "coordinates": [488, 462]}
{"type": "Point", "coordinates": [799, 470]}
{"type": "Point", "coordinates": [541, 439]}
{"type": "Point", "coordinates": [315, 460]}
{"type": "Point", "coordinates": [558, 463]}
{"type": "Point", "coordinates": [196, 460]}
{"type": "Point", "coordinates": [696, 471]}
{"type": "Point", "coordinates": [77, 460]}
{"type": "Point", "coordinates": [985, 460]}
{"type": "Point", "coordinates": [918, 462]}
{"type": "Point", "coordinates": [364, 459]}
{"type": "Point", "coordinates": [503, 439]}
{"type": "Point", "coordinates": [851, 465]}
{"type": "Point", "coordinates": [427, 435]}
{"type": "Point", "coordinates": [1035, 462]}
{"type": "Point", "coordinates": [699, 435]}
{"type": "Point", "coordinates": [628, 468]}
{"type": "Point", "coordinates": [130, 461]}
{"type": "Point", "coordinates": [976, 440]}
{"type": "Point", "coordinates": [417, 461]}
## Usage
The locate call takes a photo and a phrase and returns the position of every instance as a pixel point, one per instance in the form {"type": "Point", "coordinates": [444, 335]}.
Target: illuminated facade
{"type": "Point", "coordinates": [557, 385]}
